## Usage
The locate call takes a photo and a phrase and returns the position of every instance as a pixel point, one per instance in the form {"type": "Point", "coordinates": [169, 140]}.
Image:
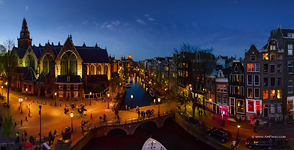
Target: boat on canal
{"type": "Point", "coordinates": [151, 93]}
{"type": "Point", "coordinates": [128, 85]}
{"type": "Point", "coordinates": [152, 144]}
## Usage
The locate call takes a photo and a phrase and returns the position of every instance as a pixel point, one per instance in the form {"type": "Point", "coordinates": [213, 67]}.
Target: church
{"type": "Point", "coordinates": [61, 71]}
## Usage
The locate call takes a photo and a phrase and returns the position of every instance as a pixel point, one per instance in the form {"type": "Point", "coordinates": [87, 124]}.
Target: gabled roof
{"type": "Point", "coordinates": [93, 55]}
{"type": "Point", "coordinates": [30, 75]}
{"type": "Point", "coordinates": [38, 51]}
{"type": "Point", "coordinates": [41, 78]}
{"type": "Point", "coordinates": [20, 52]}
{"type": "Point", "coordinates": [72, 79]}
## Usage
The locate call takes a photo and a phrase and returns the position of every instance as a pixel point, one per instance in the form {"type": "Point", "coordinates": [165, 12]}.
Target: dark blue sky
{"type": "Point", "coordinates": [148, 28]}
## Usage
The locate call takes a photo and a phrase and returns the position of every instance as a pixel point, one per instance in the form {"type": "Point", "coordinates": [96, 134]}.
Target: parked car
{"type": "Point", "coordinates": [261, 142]}
{"type": "Point", "coordinates": [220, 133]}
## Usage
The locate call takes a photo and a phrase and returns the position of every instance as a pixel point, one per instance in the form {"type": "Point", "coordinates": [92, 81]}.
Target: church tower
{"type": "Point", "coordinates": [24, 41]}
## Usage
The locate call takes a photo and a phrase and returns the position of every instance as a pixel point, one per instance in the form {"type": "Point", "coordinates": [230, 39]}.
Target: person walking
{"type": "Point", "coordinates": [21, 122]}
{"type": "Point", "coordinates": [91, 116]}
{"type": "Point", "coordinates": [54, 133]}
{"type": "Point", "coordinates": [25, 134]}
{"type": "Point", "coordinates": [126, 107]}
{"type": "Point", "coordinates": [138, 114]}
{"type": "Point", "coordinates": [104, 117]}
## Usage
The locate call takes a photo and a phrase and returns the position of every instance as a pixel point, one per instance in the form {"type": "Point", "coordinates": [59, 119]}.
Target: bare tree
{"type": "Point", "coordinates": [8, 63]}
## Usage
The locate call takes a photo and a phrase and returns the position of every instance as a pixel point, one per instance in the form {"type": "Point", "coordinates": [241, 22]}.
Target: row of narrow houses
{"type": "Point", "coordinates": [258, 86]}
{"type": "Point", "coordinates": [65, 71]}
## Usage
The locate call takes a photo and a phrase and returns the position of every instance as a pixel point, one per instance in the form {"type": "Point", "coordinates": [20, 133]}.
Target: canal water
{"type": "Point", "coordinates": [171, 135]}
{"type": "Point", "coordinates": [141, 96]}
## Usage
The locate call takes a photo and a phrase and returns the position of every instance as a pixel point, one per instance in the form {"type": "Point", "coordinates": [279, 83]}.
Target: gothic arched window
{"type": "Point", "coordinates": [30, 62]}
{"type": "Point", "coordinates": [92, 72]}
{"type": "Point", "coordinates": [64, 65]}
{"type": "Point", "coordinates": [73, 64]}
{"type": "Point", "coordinates": [105, 70]}
{"type": "Point", "coordinates": [98, 69]}
{"type": "Point", "coordinates": [68, 64]}
{"type": "Point", "coordinates": [46, 65]}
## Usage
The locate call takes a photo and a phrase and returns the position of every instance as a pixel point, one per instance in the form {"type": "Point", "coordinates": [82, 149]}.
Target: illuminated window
{"type": "Point", "coordinates": [237, 78]}
{"type": "Point", "coordinates": [265, 67]}
{"type": "Point", "coordinates": [76, 93]}
{"type": "Point", "coordinates": [237, 90]}
{"type": "Point", "coordinates": [272, 47]}
{"type": "Point", "coordinates": [253, 67]}
{"type": "Point", "coordinates": [186, 73]}
{"type": "Point", "coordinates": [290, 49]}
{"type": "Point", "coordinates": [250, 105]}
{"type": "Point", "coordinates": [249, 92]}
{"type": "Point", "coordinates": [273, 94]}
{"type": "Point", "coordinates": [240, 105]}
{"type": "Point", "coordinates": [60, 94]}
{"type": "Point", "coordinates": [265, 94]}
{"type": "Point", "coordinates": [279, 94]}
{"type": "Point", "coordinates": [273, 56]}
{"type": "Point", "coordinates": [265, 56]}
{"type": "Point", "coordinates": [60, 87]}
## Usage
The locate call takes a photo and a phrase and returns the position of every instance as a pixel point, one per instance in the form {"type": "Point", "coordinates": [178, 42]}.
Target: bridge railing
{"type": "Point", "coordinates": [115, 122]}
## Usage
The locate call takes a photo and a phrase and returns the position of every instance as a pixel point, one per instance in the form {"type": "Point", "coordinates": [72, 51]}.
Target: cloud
{"type": "Point", "coordinates": [60, 28]}
{"type": "Point", "coordinates": [27, 7]}
{"type": "Point", "coordinates": [1, 2]}
{"type": "Point", "coordinates": [149, 18]}
{"type": "Point", "coordinates": [140, 21]}
{"type": "Point", "coordinates": [70, 26]}
{"type": "Point", "coordinates": [116, 23]}
{"type": "Point", "coordinates": [85, 22]}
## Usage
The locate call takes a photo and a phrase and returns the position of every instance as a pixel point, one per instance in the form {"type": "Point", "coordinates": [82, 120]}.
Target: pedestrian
{"type": "Point", "coordinates": [91, 116]}
{"type": "Point", "coordinates": [25, 134]}
{"type": "Point", "coordinates": [14, 124]}
{"type": "Point", "coordinates": [55, 132]}
{"type": "Point", "coordinates": [126, 107]}
{"type": "Point", "coordinates": [27, 119]}
{"type": "Point", "coordinates": [104, 117]}
{"type": "Point", "coordinates": [50, 138]}
{"type": "Point", "coordinates": [138, 113]}
{"type": "Point", "coordinates": [21, 122]}
{"type": "Point", "coordinates": [22, 137]}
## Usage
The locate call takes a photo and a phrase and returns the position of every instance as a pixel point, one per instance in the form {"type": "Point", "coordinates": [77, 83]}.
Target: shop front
{"type": "Point", "coordinates": [253, 108]}
{"type": "Point", "coordinates": [222, 110]}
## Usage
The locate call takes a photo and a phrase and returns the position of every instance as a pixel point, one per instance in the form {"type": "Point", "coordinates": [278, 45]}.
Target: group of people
{"type": "Point", "coordinates": [141, 114]}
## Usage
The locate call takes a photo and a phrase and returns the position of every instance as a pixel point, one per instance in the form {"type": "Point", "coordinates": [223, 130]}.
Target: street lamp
{"type": "Point", "coordinates": [20, 101]}
{"type": "Point", "coordinates": [5, 83]}
{"type": "Point", "coordinates": [108, 101]}
{"type": "Point", "coordinates": [90, 98]}
{"type": "Point", "coordinates": [26, 92]}
{"type": "Point", "coordinates": [131, 100]}
{"type": "Point", "coordinates": [55, 97]}
{"type": "Point", "coordinates": [158, 106]}
{"type": "Point", "coordinates": [2, 89]}
{"type": "Point", "coordinates": [71, 115]}
{"type": "Point", "coordinates": [238, 132]}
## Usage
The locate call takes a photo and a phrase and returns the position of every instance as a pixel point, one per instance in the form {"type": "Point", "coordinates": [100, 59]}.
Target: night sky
{"type": "Point", "coordinates": [148, 28]}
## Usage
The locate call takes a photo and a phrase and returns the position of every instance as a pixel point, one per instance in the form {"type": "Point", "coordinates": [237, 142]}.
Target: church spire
{"type": "Point", "coordinates": [24, 41]}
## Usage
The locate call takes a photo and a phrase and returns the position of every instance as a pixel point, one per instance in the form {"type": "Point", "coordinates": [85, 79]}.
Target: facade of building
{"type": "Point", "coordinates": [236, 90]}
{"type": "Point", "coordinates": [62, 69]}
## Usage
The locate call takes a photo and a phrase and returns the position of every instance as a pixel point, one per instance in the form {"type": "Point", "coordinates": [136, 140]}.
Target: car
{"type": "Point", "coordinates": [220, 133]}
{"type": "Point", "coordinates": [261, 142]}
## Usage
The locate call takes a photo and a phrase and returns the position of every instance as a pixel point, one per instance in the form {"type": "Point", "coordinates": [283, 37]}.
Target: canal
{"type": "Point", "coordinates": [171, 135]}
{"type": "Point", "coordinates": [141, 97]}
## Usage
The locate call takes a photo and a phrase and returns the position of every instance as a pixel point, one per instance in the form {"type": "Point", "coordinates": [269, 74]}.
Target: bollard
{"type": "Point", "coordinates": [60, 105]}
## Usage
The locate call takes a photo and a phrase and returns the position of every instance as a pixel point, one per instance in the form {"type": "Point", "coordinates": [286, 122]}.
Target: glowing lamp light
{"type": "Point", "coordinates": [210, 100]}
{"type": "Point", "coordinates": [71, 114]}
{"type": "Point", "coordinates": [90, 93]}
{"type": "Point", "coordinates": [55, 93]}
{"type": "Point", "coordinates": [132, 96]}
{"type": "Point", "coordinates": [158, 100]}
{"type": "Point", "coordinates": [107, 95]}
{"type": "Point", "coordinates": [26, 89]}
{"type": "Point", "coordinates": [238, 126]}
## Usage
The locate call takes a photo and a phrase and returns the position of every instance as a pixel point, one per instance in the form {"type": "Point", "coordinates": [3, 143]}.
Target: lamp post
{"type": "Point", "coordinates": [26, 93]}
{"type": "Point", "coordinates": [71, 115]}
{"type": "Point", "coordinates": [131, 100]}
{"type": "Point", "coordinates": [158, 106]}
{"type": "Point", "coordinates": [20, 101]}
{"type": "Point", "coordinates": [55, 97]}
{"type": "Point", "coordinates": [90, 98]}
{"type": "Point", "coordinates": [238, 132]}
{"type": "Point", "coordinates": [40, 107]}
{"type": "Point", "coordinates": [108, 101]}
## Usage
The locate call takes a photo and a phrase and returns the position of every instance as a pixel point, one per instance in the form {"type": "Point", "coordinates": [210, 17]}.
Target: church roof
{"type": "Point", "coordinates": [30, 75]}
{"type": "Point", "coordinates": [20, 52]}
{"type": "Point", "coordinates": [93, 55]}
{"type": "Point", "coordinates": [72, 79]}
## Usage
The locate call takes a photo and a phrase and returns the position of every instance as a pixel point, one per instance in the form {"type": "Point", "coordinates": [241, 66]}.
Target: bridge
{"type": "Point", "coordinates": [129, 126]}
